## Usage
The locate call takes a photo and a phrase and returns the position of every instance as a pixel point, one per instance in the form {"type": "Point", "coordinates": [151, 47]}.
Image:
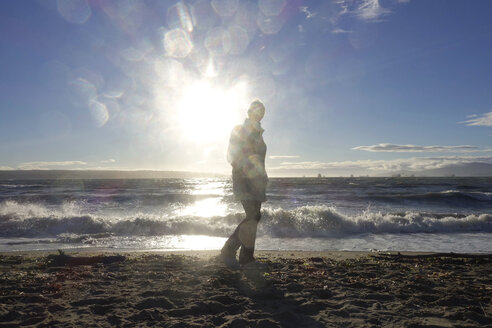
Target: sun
{"type": "Point", "coordinates": [206, 112]}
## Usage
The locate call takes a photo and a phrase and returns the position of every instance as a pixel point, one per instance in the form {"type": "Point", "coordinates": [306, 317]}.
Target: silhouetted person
{"type": "Point", "coordinates": [246, 153]}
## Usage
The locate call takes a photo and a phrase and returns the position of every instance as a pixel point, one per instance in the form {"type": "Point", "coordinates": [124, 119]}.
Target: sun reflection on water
{"type": "Point", "coordinates": [180, 243]}
{"type": "Point", "coordinates": [205, 208]}
{"type": "Point", "coordinates": [210, 188]}
{"type": "Point", "coordinates": [190, 242]}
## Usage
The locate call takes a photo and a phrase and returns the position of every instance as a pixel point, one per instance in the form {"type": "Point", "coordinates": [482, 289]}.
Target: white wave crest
{"type": "Point", "coordinates": [38, 220]}
{"type": "Point", "coordinates": [325, 221]}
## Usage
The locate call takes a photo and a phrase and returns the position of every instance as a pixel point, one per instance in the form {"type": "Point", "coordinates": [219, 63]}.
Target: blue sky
{"type": "Point", "coordinates": [351, 87]}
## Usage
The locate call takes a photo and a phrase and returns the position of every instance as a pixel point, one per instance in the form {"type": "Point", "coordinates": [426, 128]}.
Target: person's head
{"type": "Point", "coordinates": [256, 110]}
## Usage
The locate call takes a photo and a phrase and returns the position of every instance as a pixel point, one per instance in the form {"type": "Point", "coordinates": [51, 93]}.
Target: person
{"type": "Point", "coordinates": [246, 154]}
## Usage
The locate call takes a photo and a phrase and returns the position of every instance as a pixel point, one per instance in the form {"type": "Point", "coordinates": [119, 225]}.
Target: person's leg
{"type": "Point", "coordinates": [247, 230]}
{"type": "Point", "coordinates": [244, 235]}
{"type": "Point", "coordinates": [234, 242]}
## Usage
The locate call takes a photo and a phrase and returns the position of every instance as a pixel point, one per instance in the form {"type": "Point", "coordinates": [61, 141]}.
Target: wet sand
{"type": "Point", "coordinates": [193, 289]}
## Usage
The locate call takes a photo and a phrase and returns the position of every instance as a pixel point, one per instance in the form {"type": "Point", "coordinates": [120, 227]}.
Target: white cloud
{"type": "Point", "coordinates": [386, 147]}
{"type": "Point", "coordinates": [283, 156]}
{"type": "Point", "coordinates": [306, 11]}
{"type": "Point", "coordinates": [482, 120]}
{"type": "Point", "coordinates": [340, 30]}
{"type": "Point", "coordinates": [108, 161]}
{"type": "Point", "coordinates": [5, 168]}
{"type": "Point", "coordinates": [48, 165]}
{"type": "Point", "coordinates": [367, 10]}
{"type": "Point", "coordinates": [381, 166]}
{"type": "Point", "coordinates": [370, 10]}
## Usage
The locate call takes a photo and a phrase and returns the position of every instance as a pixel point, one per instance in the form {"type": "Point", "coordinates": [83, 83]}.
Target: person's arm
{"type": "Point", "coordinates": [233, 150]}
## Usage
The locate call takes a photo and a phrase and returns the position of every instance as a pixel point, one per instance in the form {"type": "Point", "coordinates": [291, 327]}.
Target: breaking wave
{"type": "Point", "coordinates": [440, 197]}
{"type": "Point", "coordinates": [324, 221]}
{"type": "Point", "coordinates": [37, 220]}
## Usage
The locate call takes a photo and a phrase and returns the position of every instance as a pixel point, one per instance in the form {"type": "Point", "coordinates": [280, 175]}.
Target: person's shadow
{"type": "Point", "coordinates": [270, 303]}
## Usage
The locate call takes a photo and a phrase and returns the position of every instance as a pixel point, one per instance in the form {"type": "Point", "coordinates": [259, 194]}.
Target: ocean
{"type": "Point", "coordinates": [450, 214]}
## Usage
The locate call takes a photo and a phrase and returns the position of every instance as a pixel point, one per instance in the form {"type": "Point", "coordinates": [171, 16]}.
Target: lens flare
{"type": "Point", "coordinates": [178, 16]}
{"type": "Point", "coordinates": [225, 7]}
{"type": "Point", "coordinates": [270, 24]}
{"type": "Point", "coordinates": [177, 43]}
{"type": "Point", "coordinates": [236, 40]}
{"type": "Point", "coordinates": [99, 112]}
{"type": "Point", "coordinates": [214, 42]}
{"type": "Point", "coordinates": [271, 7]}
{"type": "Point", "coordinates": [74, 11]}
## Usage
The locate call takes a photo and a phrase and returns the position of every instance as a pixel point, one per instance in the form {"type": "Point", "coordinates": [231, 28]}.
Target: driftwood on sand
{"type": "Point", "coordinates": [62, 259]}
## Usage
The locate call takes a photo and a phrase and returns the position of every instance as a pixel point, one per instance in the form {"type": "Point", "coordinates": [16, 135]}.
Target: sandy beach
{"type": "Point", "coordinates": [193, 289]}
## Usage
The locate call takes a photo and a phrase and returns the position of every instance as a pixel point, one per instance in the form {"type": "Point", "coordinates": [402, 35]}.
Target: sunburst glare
{"type": "Point", "coordinates": [207, 111]}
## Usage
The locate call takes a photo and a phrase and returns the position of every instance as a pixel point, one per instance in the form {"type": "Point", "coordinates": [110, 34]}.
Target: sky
{"type": "Point", "coordinates": [361, 87]}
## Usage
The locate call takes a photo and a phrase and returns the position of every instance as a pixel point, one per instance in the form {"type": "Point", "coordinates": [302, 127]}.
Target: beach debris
{"type": "Point", "coordinates": [432, 255]}
{"type": "Point", "coordinates": [62, 259]}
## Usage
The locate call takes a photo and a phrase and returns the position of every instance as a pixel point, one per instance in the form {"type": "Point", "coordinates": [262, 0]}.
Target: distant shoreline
{"type": "Point", "coordinates": [155, 174]}
{"type": "Point", "coordinates": [102, 174]}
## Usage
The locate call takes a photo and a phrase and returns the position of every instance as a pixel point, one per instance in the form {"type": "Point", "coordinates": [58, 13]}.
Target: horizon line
{"type": "Point", "coordinates": [72, 174]}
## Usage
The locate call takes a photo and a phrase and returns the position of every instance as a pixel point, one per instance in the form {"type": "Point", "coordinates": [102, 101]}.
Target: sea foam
{"type": "Point", "coordinates": [38, 220]}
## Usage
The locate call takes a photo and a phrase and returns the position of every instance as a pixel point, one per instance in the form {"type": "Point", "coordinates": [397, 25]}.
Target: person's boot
{"type": "Point", "coordinates": [246, 255]}
{"type": "Point", "coordinates": [228, 253]}
{"type": "Point", "coordinates": [231, 246]}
